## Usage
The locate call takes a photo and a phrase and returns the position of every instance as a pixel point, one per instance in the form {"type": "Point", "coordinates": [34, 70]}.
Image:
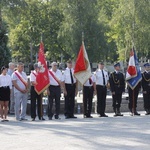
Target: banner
{"type": "Point", "coordinates": [82, 70]}
{"type": "Point", "coordinates": [42, 78]}
{"type": "Point", "coordinates": [133, 75]}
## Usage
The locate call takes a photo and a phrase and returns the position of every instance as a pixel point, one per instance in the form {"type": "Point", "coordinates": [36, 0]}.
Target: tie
{"type": "Point", "coordinates": [71, 76]}
{"type": "Point", "coordinates": [90, 81]}
{"type": "Point", "coordinates": [103, 78]}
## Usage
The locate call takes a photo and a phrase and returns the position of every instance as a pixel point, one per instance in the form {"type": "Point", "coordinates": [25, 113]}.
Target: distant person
{"type": "Point", "coordinates": [5, 90]}
{"type": "Point", "coordinates": [70, 90]}
{"type": "Point", "coordinates": [102, 80]}
{"type": "Point", "coordinates": [12, 100]}
{"type": "Point", "coordinates": [117, 87]}
{"type": "Point", "coordinates": [35, 98]}
{"type": "Point", "coordinates": [89, 89]}
{"type": "Point", "coordinates": [146, 88]}
{"type": "Point", "coordinates": [54, 91]}
{"type": "Point", "coordinates": [20, 82]}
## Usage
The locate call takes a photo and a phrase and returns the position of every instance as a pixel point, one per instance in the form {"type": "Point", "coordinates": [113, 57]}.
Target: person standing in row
{"type": "Point", "coordinates": [117, 87]}
{"type": "Point", "coordinates": [20, 82]}
{"type": "Point", "coordinates": [146, 88]}
{"type": "Point", "coordinates": [34, 96]}
{"type": "Point", "coordinates": [54, 91]}
{"type": "Point", "coordinates": [5, 90]}
{"type": "Point", "coordinates": [70, 90]}
{"type": "Point", "coordinates": [89, 89]}
{"type": "Point", "coordinates": [102, 80]}
{"type": "Point", "coordinates": [12, 99]}
{"type": "Point", "coordinates": [133, 96]}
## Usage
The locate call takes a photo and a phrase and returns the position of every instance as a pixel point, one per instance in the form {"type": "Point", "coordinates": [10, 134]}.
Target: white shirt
{"type": "Point", "coordinates": [5, 80]}
{"type": "Point", "coordinates": [66, 76]}
{"type": "Point", "coordinates": [57, 74]}
{"type": "Point", "coordinates": [99, 77]}
{"type": "Point", "coordinates": [93, 79]}
{"type": "Point", "coordinates": [19, 82]}
{"type": "Point", "coordinates": [33, 76]}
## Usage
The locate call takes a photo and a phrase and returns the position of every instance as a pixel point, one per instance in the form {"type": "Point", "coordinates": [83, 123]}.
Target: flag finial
{"type": "Point", "coordinates": [41, 36]}
{"type": "Point", "coordinates": [82, 36]}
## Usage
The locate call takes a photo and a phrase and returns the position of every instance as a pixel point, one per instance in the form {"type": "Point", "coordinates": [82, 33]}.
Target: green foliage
{"type": "Point", "coordinates": [110, 27]}
{"type": "Point", "coordinates": [4, 51]}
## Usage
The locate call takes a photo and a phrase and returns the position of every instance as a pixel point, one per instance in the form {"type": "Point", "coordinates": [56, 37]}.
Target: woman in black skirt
{"type": "Point", "coordinates": [5, 89]}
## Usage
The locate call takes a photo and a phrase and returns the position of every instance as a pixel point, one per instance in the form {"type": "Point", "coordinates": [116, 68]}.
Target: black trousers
{"type": "Point", "coordinates": [133, 96]}
{"type": "Point", "coordinates": [101, 99]}
{"type": "Point", "coordinates": [55, 93]}
{"type": "Point", "coordinates": [36, 99]}
{"type": "Point", "coordinates": [87, 99]}
{"type": "Point", "coordinates": [146, 98]}
{"type": "Point", "coordinates": [117, 99]}
{"type": "Point", "coordinates": [70, 99]}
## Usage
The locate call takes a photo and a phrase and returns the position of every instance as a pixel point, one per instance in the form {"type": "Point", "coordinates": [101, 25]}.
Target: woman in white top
{"type": "Point", "coordinates": [5, 89]}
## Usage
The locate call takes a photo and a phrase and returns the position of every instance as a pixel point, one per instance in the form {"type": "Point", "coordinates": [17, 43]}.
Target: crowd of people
{"type": "Point", "coordinates": [14, 89]}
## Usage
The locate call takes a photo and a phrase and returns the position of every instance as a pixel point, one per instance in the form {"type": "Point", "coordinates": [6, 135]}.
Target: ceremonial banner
{"type": "Point", "coordinates": [82, 70]}
{"type": "Point", "coordinates": [133, 75]}
{"type": "Point", "coordinates": [42, 78]}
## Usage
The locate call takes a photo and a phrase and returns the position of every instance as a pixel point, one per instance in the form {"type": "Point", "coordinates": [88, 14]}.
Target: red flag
{"type": "Point", "coordinates": [131, 71]}
{"type": "Point", "coordinates": [82, 70]}
{"type": "Point", "coordinates": [42, 78]}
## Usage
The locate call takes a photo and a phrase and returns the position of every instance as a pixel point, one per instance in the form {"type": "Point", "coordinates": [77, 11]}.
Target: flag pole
{"type": "Point", "coordinates": [82, 36]}
{"type": "Point", "coordinates": [133, 109]}
{"type": "Point", "coordinates": [41, 95]}
{"type": "Point", "coordinates": [41, 37]}
{"type": "Point", "coordinates": [83, 85]}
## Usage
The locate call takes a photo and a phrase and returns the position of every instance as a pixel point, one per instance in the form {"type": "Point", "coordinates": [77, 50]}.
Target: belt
{"type": "Point", "coordinates": [5, 87]}
{"type": "Point", "coordinates": [55, 85]}
{"type": "Point", "coordinates": [70, 84]}
{"type": "Point", "coordinates": [88, 87]}
{"type": "Point", "coordinates": [103, 86]}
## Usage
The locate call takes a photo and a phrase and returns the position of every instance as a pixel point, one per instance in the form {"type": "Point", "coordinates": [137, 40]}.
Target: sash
{"type": "Point", "coordinates": [54, 77]}
{"type": "Point", "coordinates": [21, 79]}
{"type": "Point", "coordinates": [34, 74]}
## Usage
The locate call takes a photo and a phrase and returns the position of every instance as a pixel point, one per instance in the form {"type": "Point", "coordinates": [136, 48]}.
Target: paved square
{"type": "Point", "coordinates": [112, 133]}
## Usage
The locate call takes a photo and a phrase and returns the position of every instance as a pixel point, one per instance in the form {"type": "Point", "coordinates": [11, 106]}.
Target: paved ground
{"type": "Point", "coordinates": [112, 133]}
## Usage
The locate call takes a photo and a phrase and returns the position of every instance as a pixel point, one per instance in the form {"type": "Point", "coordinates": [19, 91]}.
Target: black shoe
{"type": "Point", "coordinates": [73, 117]}
{"type": "Point", "coordinates": [147, 113]}
{"type": "Point", "coordinates": [89, 117]}
{"type": "Point", "coordinates": [57, 117]}
{"type": "Point", "coordinates": [23, 119]}
{"type": "Point", "coordinates": [118, 114]}
{"type": "Point", "coordinates": [104, 115]}
{"type": "Point", "coordinates": [33, 119]}
{"type": "Point", "coordinates": [67, 117]}
{"type": "Point", "coordinates": [136, 113]}
{"type": "Point", "coordinates": [41, 119]}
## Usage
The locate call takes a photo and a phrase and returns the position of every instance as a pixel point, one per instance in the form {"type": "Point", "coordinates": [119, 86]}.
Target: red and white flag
{"type": "Point", "coordinates": [131, 71]}
{"type": "Point", "coordinates": [42, 78]}
{"type": "Point", "coordinates": [82, 70]}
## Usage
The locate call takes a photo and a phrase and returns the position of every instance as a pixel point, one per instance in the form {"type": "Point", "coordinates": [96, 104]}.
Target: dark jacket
{"type": "Point", "coordinates": [146, 81]}
{"type": "Point", "coordinates": [117, 82]}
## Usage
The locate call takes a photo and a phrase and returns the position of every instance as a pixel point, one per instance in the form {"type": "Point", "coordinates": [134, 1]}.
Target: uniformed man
{"type": "Point", "coordinates": [102, 80]}
{"type": "Point", "coordinates": [133, 96]}
{"type": "Point", "coordinates": [70, 90]}
{"type": "Point", "coordinates": [117, 87]}
{"type": "Point", "coordinates": [20, 82]}
{"type": "Point", "coordinates": [54, 91]}
{"type": "Point", "coordinates": [35, 98]}
{"type": "Point", "coordinates": [89, 89]}
{"type": "Point", "coordinates": [146, 88]}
